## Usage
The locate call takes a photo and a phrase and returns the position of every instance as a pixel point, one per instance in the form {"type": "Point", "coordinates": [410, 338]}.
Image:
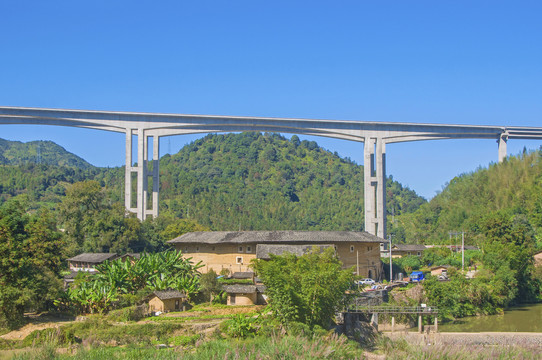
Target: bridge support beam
{"type": "Point", "coordinates": [374, 155]}
{"type": "Point", "coordinates": [502, 146]}
{"type": "Point", "coordinates": [142, 172]}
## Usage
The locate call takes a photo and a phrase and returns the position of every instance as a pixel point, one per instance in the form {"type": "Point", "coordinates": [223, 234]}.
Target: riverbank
{"type": "Point", "coordinates": [523, 339]}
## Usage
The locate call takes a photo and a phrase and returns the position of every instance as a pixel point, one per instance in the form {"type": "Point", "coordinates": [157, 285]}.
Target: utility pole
{"type": "Point", "coordinates": [391, 271]}
{"type": "Point", "coordinates": [455, 233]}
{"type": "Point", "coordinates": [462, 251]}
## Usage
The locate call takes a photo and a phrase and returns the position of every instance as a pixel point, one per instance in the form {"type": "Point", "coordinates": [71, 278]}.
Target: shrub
{"type": "Point", "coordinates": [131, 313]}
{"type": "Point", "coordinates": [239, 326]}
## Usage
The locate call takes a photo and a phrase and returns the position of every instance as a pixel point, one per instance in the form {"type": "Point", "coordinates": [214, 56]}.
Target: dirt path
{"type": "Point", "coordinates": [23, 332]}
{"type": "Point", "coordinates": [37, 322]}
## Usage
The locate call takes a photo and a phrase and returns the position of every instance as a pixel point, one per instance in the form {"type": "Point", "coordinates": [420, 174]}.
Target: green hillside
{"type": "Point", "coordinates": [38, 152]}
{"type": "Point", "coordinates": [254, 181]}
{"type": "Point", "coordinates": [247, 181]}
{"type": "Point", "coordinates": [513, 187]}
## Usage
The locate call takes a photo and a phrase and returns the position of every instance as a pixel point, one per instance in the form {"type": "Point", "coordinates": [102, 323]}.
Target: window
{"type": "Point", "coordinates": [239, 260]}
{"type": "Point", "coordinates": [351, 248]}
{"type": "Point", "coordinates": [240, 249]}
{"type": "Point", "coordinates": [249, 249]}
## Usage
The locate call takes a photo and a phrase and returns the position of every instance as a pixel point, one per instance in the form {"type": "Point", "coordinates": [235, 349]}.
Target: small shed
{"type": "Point", "coordinates": [241, 294]}
{"type": "Point", "coordinates": [438, 270]}
{"type": "Point", "coordinates": [167, 300]}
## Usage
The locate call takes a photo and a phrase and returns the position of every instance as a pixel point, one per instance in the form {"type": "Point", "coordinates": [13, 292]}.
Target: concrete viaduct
{"type": "Point", "coordinates": [149, 127]}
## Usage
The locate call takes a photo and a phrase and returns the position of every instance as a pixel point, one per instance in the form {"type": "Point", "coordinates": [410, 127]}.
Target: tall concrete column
{"type": "Point", "coordinates": [369, 194]}
{"type": "Point", "coordinates": [141, 174]}
{"type": "Point", "coordinates": [502, 146]}
{"type": "Point", "coordinates": [155, 174]}
{"type": "Point", "coordinates": [381, 188]}
{"type": "Point", "coordinates": [375, 186]}
{"type": "Point", "coordinates": [128, 172]}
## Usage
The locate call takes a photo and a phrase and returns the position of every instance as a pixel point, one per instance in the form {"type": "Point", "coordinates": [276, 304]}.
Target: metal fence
{"type": "Point", "coordinates": [427, 310]}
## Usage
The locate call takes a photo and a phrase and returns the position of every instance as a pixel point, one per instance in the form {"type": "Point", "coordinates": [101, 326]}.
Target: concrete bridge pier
{"type": "Point", "coordinates": [143, 207]}
{"type": "Point", "coordinates": [374, 321]}
{"type": "Point", "coordinates": [502, 141]}
{"type": "Point", "coordinates": [374, 154]}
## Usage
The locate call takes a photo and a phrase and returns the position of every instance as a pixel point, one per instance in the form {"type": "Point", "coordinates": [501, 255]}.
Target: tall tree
{"type": "Point", "coordinates": [304, 289]}
{"type": "Point", "coordinates": [30, 258]}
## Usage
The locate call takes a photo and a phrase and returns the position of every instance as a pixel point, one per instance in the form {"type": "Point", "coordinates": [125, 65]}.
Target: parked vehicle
{"type": "Point", "coordinates": [417, 276]}
{"type": "Point", "coordinates": [366, 282]}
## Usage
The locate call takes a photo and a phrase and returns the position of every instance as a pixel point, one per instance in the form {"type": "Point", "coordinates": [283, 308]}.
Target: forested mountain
{"type": "Point", "coordinates": [39, 152]}
{"type": "Point", "coordinates": [245, 181]}
{"type": "Point", "coordinates": [254, 181]}
{"type": "Point", "coordinates": [513, 187]}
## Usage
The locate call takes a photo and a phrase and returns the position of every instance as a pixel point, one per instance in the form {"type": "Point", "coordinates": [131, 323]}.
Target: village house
{"type": "Point", "coordinates": [241, 294]}
{"type": "Point", "coordinates": [400, 250]}
{"type": "Point", "coordinates": [234, 250]}
{"type": "Point", "coordinates": [167, 300]}
{"type": "Point", "coordinates": [88, 261]}
{"type": "Point", "coordinates": [85, 262]}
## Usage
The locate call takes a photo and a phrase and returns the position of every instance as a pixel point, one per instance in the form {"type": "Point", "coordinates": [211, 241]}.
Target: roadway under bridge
{"type": "Point", "coordinates": [147, 128]}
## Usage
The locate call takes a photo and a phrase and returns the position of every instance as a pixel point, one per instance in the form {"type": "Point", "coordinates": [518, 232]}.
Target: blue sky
{"type": "Point", "coordinates": [464, 62]}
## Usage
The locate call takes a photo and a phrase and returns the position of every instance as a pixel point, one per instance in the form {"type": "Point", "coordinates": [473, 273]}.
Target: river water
{"type": "Point", "coordinates": [526, 318]}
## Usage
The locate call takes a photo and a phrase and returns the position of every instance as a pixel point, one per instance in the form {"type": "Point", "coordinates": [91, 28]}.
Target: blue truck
{"type": "Point", "coordinates": [417, 276]}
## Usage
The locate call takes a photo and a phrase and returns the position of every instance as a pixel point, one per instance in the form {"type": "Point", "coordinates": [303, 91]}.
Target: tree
{"type": "Point", "coordinates": [30, 256]}
{"type": "Point", "coordinates": [304, 289]}
{"type": "Point", "coordinates": [508, 248]}
{"type": "Point", "coordinates": [209, 285]}
{"type": "Point", "coordinates": [180, 227]}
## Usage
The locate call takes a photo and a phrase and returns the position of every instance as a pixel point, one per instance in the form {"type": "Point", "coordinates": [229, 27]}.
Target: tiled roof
{"type": "Point", "coordinates": [94, 258]}
{"type": "Point", "coordinates": [240, 289]}
{"type": "Point", "coordinates": [136, 256]}
{"type": "Point", "coordinates": [408, 247]}
{"type": "Point", "coordinates": [262, 237]}
{"type": "Point", "coordinates": [243, 275]}
{"type": "Point", "coordinates": [169, 294]}
{"type": "Point", "coordinates": [263, 251]}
